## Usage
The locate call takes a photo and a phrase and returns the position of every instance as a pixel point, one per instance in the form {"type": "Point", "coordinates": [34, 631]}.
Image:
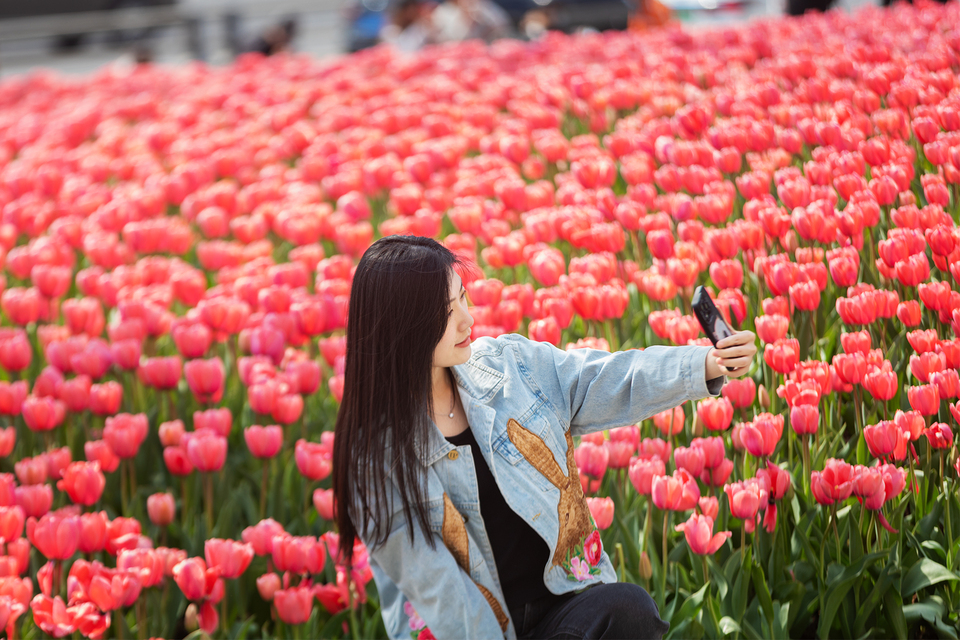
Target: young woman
{"type": "Point", "coordinates": [456, 460]}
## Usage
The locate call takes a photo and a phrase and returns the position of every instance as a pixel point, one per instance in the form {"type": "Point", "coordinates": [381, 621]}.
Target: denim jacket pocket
{"type": "Point", "coordinates": [539, 426]}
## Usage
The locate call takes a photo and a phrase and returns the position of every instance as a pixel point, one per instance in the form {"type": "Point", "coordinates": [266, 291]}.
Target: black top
{"type": "Point", "coordinates": [519, 551]}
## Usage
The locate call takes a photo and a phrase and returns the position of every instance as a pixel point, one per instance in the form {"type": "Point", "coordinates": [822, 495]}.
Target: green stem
{"type": "Point", "coordinates": [663, 558]}
{"type": "Point", "coordinates": [263, 488]}
{"type": "Point", "coordinates": [208, 497]}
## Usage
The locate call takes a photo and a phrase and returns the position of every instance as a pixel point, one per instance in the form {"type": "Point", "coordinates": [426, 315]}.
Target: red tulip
{"type": "Point", "coordinates": [924, 398]}
{"type": "Point", "coordinates": [746, 498]}
{"type": "Point", "coordinates": [12, 395]}
{"type": "Point", "coordinates": [267, 585]}
{"type": "Point", "coordinates": [908, 313]}
{"type": "Point", "coordinates": [312, 460]}
{"type": "Point", "coordinates": [93, 532]}
{"type": "Point", "coordinates": [219, 420]}
{"type": "Point", "coordinates": [783, 355]}
{"type": "Point", "coordinates": [715, 413]}
{"type": "Point", "coordinates": [263, 442]}
{"type": "Point", "coordinates": [325, 503]}
{"type": "Point", "coordinates": [8, 439]}
{"type": "Point", "coordinates": [205, 379]}
{"type": "Point", "coordinates": [923, 341]}
{"type": "Point", "coordinates": [620, 452]}
{"type": "Point", "coordinates": [850, 367]}
{"type": "Point", "coordinates": [545, 330]}
{"type": "Point", "coordinates": [176, 460]}
{"type": "Point", "coordinates": [171, 432]}
{"type": "Point", "coordinates": [15, 351]}
{"type": "Point", "coordinates": [698, 532]}
{"type": "Point", "coordinates": [193, 339]}
{"type": "Point", "coordinates": [105, 398]}
{"type": "Point", "coordinates": [868, 486]}
{"type": "Point", "coordinates": [288, 408]}
{"type": "Point", "coordinates": [689, 459]}
{"type": "Point", "coordinates": [939, 435]}
{"type": "Point", "coordinates": [229, 556]}
{"type": "Point", "coordinates": [83, 482]}
{"type": "Point", "coordinates": [670, 422]}
{"type": "Point", "coordinates": [125, 433]}
{"type": "Point", "coordinates": [55, 536]}
{"type": "Point", "coordinates": [100, 451]}
{"type": "Point", "coordinates": [261, 536]}
{"type": "Point", "coordinates": [206, 450]}
{"type": "Point", "coordinates": [298, 554]}
{"type": "Point", "coordinates": [52, 616]}
{"type": "Point", "coordinates": [592, 459]}
{"type": "Point", "coordinates": [834, 484]}
{"type": "Point", "coordinates": [602, 511]}
{"type": "Point", "coordinates": [161, 509]}
{"type": "Point", "coordinates": [35, 499]}
{"type": "Point", "coordinates": [11, 523]}
{"type": "Point", "coordinates": [761, 436]}
{"type": "Point", "coordinates": [146, 564]}
{"type": "Point", "coordinates": [160, 373]}
{"type": "Point", "coordinates": [294, 605]}
{"type": "Point", "coordinates": [678, 492]}
{"type": "Point", "coordinates": [83, 315]}
{"type": "Point", "coordinates": [197, 582]}
{"type": "Point", "coordinates": [881, 384]}
{"type": "Point", "coordinates": [642, 472]}
{"type": "Point", "coordinates": [741, 393]}
{"type": "Point", "coordinates": [31, 470]}
{"type": "Point", "coordinates": [43, 414]}
{"type": "Point", "coordinates": [305, 376]}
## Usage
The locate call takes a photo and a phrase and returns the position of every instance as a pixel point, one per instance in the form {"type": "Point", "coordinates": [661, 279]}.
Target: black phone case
{"type": "Point", "coordinates": [712, 323]}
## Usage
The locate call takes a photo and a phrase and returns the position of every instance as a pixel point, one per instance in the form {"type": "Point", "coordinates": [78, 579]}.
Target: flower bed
{"type": "Point", "coordinates": [177, 246]}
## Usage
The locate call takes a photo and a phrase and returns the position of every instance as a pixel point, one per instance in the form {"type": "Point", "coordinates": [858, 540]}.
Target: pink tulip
{"type": "Point", "coordinates": [678, 492]}
{"type": "Point", "coordinates": [602, 511]}
{"type": "Point", "coordinates": [263, 442]}
{"type": "Point", "coordinates": [206, 450]}
{"type": "Point", "coordinates": [698, 531]}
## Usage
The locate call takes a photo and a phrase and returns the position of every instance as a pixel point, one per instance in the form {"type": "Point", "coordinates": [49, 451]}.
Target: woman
{"type": "Point", "coordinates": [457, 459]}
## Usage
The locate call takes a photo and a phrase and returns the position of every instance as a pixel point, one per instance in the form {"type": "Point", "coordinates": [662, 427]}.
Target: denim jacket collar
{"type": "Point", "coordinates": [480, 383]}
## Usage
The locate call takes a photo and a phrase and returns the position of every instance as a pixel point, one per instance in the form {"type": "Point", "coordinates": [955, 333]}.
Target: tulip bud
{"type": "Point", "coordinates": [190, 618]}
{"type": "Point", "coordinates": [764, 397]}
{"type": "Point", "coordinates": [267, 585]}
{"type": "Point", "coordinates": [697, 426]}
{"type": "Point", "coordinates": [645, 570]}
{"type": "Point", "coordinates": [161, 509]}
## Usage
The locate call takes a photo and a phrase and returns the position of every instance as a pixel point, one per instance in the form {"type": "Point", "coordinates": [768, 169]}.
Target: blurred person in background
{"type": "Point", "coordinates": [457, 20]}
{"type": "Point", "coordinates": [411, 26]}
{"type": "Point", "coordinates": [276, 38]}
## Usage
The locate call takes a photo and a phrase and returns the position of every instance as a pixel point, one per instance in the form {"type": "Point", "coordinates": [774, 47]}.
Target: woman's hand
{"type": "Point", "coordinates": [733, 352]}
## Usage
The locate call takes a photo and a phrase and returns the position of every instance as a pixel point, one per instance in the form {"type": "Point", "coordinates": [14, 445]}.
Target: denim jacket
{"type": "Point", "coordinates": [524, 401]}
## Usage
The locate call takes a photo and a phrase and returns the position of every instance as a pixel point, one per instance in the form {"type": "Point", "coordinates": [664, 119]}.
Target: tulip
{"type": "Point", "coordinates": [670, 422]}
{"type": "Point", "coordinates": [545, 330]}
{"type": "Point", "coordinates": [83, 482]}
{"type": "Point", "coordinates": [171, 432]}
{"type": "Point", "coordinates": [939, 435]}
{"type": "Point", "coordinates": [15, 352]}
{"type": "Point", "coordinates": [125, 433]}
{"type": "Point", "coordinates": [263, 442]}
{"type": "Point", "coordinates": [161, 373]}
{"type": "Point", "coordinates": [35, 499]}
{"type": "Point", "coordinates": [52, 617]}
{"type": "Point", "coordinates": [43, 414]}
{"type": "Point", "coordinates": [746, 498]}
{"type": "Point", "coordinates": [294, 605]}
{"type": "Point", "coordinates": [678, 492]}
{"type": "Point", "coordinates": [713, 449]}
{"type": "Point", "coordinates": [230, 557]}
{"type": "Point", "coordinates": [57, 461]}
{"type": "Point", "coordinates": [715, 413]}
{"type": "Point", "coordinates": [908, 313]}
{"type": "Point", "coordinates": [592, 459]}
{"type": "Point", "coordinates": [75, 393]}
{"type": "Point", "coordinates": [177, 461]}
{"type": "Point", "coordinates": [288, 408]}
{"type": "Point", "coordinates": [105, 398]}
{"type": "Point", "coordinates": [205, 379]}
{"type": "Point", "coordinates": [305, 375]}
{"type": "Point", "coordinates": [93, 532]}
{"type": "Point", "coordinates": [783, 355]}
{"type": "Point", "coordinates": [805, 419]}
{"type": "Point", "coordinates": [261, 536]}
{"type": "Point", "coordinates": [12, 395]}
{"type": "Point", "coordinates": [761, 436]}
{"type": "Point", "coordinates": [113, 590]}
{"type": "Point", "coordinates": [741, 393]}
{"type": "Point", "coordinates": [31, 470]}
{"type": "Point", "coordinates": [161, 509]}
{"type": "Point", "coordinates": [882, 385]}
{"type": "Point", "coordinates": [219, 420]}
{"type": "Point", "coordinates": [312, 461]}
{"type": "Point", "coordinates": [690, 459]}
{"type": "Point", "coordinates": [868, 486]}
{"type": "Point", "coordinates": [911, 423]}
{"type": "Point", "coordinates": [146, 564]}
{"type": "Point", "coordinates": [602, 511]}
{"type": "Point", "coordinates": [924, 398]}
{"type": "Point", "coordinates": [267, 585]}
{"type": "Point", "coordinates": [206, 450]}
{"type": "Point", "coordinates": [122, 533]}
{"type": "Point", "coordinates": [193, 339]}
{"type": "Point", "coordinates": [298, 554]}
{"type": "Point", "coordinates": [834, 483]}
{"type": "Point", "coordinates": [100, 451]}
{"type": "Point", "coordinates": [195, 580]}
{"type": "Point", "coordinates": [325, 503]}
{"type": "Point", "coordinates": [642, 472]}
{"type": "Point", "coordinates": [11, 523]}
{"type": "Point", "coordinates": [54, 535]}
{"type": "Point", "coordinates": [698, 531]}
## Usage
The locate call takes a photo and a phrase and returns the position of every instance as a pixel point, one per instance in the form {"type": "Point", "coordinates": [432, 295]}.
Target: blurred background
{"type": "Point", "coordinates": [78, 36]}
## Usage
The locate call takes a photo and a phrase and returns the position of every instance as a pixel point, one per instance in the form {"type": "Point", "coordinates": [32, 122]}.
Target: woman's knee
{"type": "Point", "coordinates": [630, 612]}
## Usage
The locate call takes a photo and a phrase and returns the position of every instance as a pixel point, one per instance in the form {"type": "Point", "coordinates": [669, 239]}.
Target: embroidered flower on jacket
{"type": "Point", "coordinates": [580, 569]}
{"type": "Point", "coordinates": [416, 622]}
{"type": "Point", "coordinates": [593, 548]}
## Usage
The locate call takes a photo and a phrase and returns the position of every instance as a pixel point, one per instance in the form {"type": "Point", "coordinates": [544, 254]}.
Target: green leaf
{"type": "Point", "coordinates": [728, 625]}
{"type": "Point", "coordinates": [741, 589]}
{"type": "Point", "coordinates": [893, 607]}
{"type": "Point", "coordinates": [924, 573]}
{"type": "Point", "coordinates": [929, 611]}
{"type": "Point", "coordinates": [868, 606]}
{"type": "Point", "coordinates": [763, 593]}
{"type": "Point", "coordinates": [690, 606]}
{"type": "Point", "coordinates": [838, 586]}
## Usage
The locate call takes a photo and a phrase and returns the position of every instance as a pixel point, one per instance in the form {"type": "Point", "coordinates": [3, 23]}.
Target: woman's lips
{"type": "Point", "coordinates": [465, 343]}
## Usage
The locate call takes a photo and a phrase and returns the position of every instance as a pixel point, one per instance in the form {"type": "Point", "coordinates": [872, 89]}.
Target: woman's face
{"type": "Point", "coordinates": [454, 346]}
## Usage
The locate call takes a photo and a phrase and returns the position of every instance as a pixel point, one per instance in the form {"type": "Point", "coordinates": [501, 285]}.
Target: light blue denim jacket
{"type": "Point", "coordinates": [524, 401]}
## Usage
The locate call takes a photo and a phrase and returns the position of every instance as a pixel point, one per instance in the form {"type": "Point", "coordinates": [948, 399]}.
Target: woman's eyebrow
{"type": "Point", "coordinates": [454, 299]}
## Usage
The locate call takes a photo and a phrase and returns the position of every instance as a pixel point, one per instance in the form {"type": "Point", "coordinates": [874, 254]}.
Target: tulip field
{"type": "Point", "coordinates": [176, 252]}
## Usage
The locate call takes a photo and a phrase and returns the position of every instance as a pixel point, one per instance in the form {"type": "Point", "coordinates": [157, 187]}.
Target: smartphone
{"type": "Point", "coordinates": [713, 324]}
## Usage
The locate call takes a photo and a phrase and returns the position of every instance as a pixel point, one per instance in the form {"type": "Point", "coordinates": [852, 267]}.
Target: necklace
{"type": "Point", "coordinates": [453, 398]}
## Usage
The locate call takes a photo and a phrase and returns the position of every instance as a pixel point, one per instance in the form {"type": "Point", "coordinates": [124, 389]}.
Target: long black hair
{"type": "Point", "coordinates": [398, 313]}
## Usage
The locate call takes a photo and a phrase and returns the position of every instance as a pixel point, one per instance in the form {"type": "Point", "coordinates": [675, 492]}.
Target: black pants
{"type": "Point", "coordinates": [621, 610]}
